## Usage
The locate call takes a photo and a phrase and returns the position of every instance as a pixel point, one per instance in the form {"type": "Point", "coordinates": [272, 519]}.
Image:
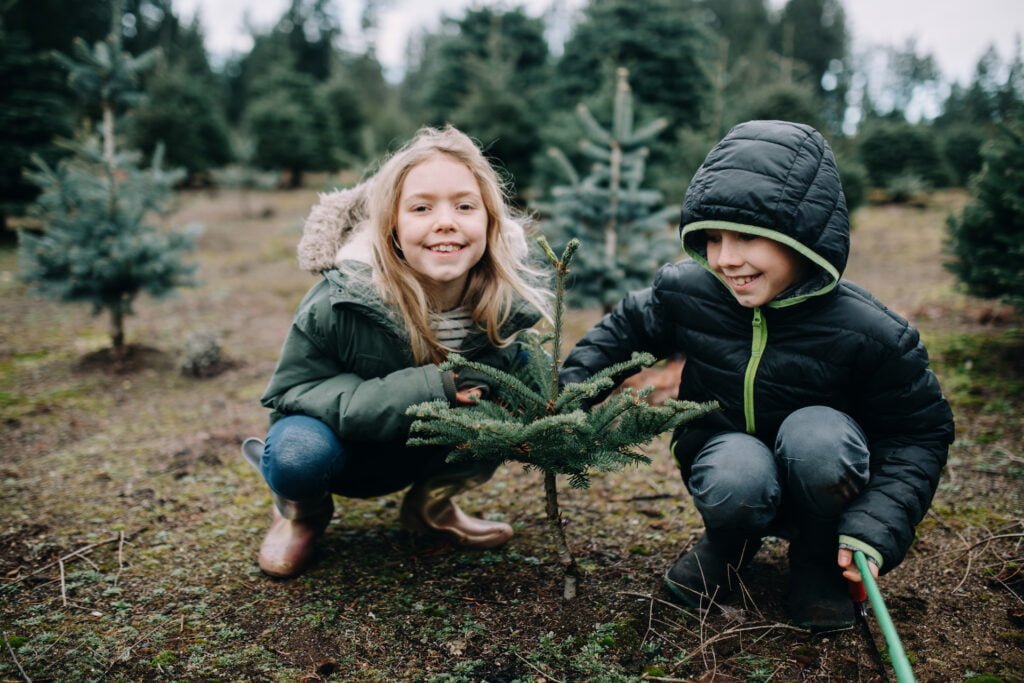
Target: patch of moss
{"type": "Point", "coordinates": [981, 370]}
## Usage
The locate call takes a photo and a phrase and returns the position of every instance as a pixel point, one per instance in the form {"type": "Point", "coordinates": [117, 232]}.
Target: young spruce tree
{"type": "Point", "coordinates": [97, 245]}
{"type": "Point", "coordinates": [988, 239]}
{"type": "Point", "coordinates": [609, 208]}
{"type": "Point", "coordinates": [548, 427]}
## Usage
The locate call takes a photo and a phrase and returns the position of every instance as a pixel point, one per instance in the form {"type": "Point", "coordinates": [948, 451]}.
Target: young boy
{"type": "Point", "coordinates": [832, 430]}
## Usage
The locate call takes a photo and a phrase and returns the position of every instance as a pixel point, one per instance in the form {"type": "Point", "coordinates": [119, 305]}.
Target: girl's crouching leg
{"type": "Point", "coordinates": [302, 455]}
{"type": "Point", "coordinates": [297, 462]}
{"type": "Point", "coordinates": [428, 508]}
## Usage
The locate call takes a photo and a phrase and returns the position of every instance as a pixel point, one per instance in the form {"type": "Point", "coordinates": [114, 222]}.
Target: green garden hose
{"type": "Point", "coordinates": [900, 663]}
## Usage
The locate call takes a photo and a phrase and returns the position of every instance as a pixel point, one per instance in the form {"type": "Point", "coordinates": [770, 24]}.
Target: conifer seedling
{"type": "Point", "coordinates": [552, 428]}
{"type": "Point", "coordinates": [99, 244]}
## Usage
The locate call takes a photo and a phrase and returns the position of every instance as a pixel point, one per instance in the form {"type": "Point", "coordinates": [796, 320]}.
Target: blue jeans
{"type": "Point", "coordinates": [304, 460]}
{"type": "Point", "coordinates": [819, 464]}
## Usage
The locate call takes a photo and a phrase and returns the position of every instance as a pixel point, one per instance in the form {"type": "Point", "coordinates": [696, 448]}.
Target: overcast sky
{"type": "Point", "coordinates": [955, 32]}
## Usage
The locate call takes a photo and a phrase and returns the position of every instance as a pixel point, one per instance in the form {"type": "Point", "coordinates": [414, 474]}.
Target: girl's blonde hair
{"type": "Point", "coordinates": [494, 283]}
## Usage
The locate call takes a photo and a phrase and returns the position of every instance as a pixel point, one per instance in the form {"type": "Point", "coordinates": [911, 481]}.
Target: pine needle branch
{"type": "Point", "coordinates": [552, 433]}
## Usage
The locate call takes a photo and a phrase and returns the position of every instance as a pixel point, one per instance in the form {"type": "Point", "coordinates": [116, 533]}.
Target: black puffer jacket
{"type": "Point", "coordinates": [824, 341]}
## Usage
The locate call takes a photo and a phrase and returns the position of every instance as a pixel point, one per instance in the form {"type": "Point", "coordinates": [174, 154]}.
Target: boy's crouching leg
{"type": "Point", "coordinates": [734, 483]}
{"type": "Point", "coordinates": [825, 461]}
{"type": "Point", "coordinates": [709, 571]}
{"type": "Point", "coordinates": [818, 597]}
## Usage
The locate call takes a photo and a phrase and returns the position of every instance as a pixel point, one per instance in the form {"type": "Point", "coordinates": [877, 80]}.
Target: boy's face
{"type": "Point", "coordinates": [756, 268]}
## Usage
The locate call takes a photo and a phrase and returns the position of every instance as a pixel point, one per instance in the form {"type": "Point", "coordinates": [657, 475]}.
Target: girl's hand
{"type": "Point", "coordinates": [845, 561]}
{"type": "Point", "coordinates": [468, 397]}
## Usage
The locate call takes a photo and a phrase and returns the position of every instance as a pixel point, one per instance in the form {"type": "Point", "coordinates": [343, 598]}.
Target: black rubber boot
{"type": "Point", "coordinates": [819, 595]}
{"type": "Point", "coordinates": [709, 571]}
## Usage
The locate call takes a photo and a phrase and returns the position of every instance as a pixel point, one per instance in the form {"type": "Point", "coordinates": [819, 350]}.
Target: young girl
{"type": "Point", "coordinates": [422, 259]}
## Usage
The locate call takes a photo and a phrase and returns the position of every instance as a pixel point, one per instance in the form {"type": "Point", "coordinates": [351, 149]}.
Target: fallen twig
{"type": "Point", "coordinates": [967, 571]}
{"type": "Point", "coordinates": [991, 538]}
{"type": "Point", "coordinates": [653, 496]}
{"type": "Point", "coordinates": [73, 555]}
{"type": "Point", "coordinates": [63, 585]}
{"type": "Point", "coordinates": [120, 558]}
{"type": "Point", "coordinates": [540, 671]}
{"type": "Point", "coordinates": [15, 658]}
{"type": "Point", "coordinates": [673, 605]}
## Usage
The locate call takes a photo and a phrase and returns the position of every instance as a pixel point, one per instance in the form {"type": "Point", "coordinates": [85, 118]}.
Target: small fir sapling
{"type": "Point", "coordinates": [552, 428]}
{"type": "Point", "coordinates": [99, 245]}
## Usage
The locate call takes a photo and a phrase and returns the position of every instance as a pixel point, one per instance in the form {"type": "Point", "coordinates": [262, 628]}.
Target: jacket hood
{"type": "Point", "coordinates": [337, 229]}
{"type": "Point", "coordinates": [778, 180]}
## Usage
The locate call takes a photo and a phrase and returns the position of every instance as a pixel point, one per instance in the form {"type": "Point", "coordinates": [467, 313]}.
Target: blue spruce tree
{"type": "Point", "coordinates": [98, 245]}
{"type": "Point", "coordinates": [609, 207]}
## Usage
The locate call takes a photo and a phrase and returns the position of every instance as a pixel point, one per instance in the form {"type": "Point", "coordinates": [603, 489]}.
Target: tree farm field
{"type": "Point", "coordinates": [129, 523]}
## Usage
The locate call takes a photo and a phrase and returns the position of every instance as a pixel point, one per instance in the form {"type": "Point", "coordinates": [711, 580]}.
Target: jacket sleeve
{"type": "Point", "coordinates": [310, 380]}
{"type": "Point", "coordinates": [636, 324]}
{"type": "Point", "coordinates": [909, 427]}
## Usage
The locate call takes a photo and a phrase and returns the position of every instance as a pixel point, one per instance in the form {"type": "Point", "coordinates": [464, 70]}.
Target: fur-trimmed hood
{"type": "Point", "coordinates": [338, 229]}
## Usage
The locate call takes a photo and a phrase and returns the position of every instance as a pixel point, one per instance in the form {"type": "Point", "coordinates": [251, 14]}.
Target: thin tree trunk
{"type": "Point", "coordinates": [565, 558]}
{"type": "Point", "coordinates": [117, 332]}
{"type": "Point", "coordinates": [611, 227]}
{"type": "Point", "coordinates": [108, 132]}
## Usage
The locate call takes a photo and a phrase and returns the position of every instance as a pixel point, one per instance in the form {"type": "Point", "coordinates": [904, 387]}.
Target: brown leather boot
{"type": "Point", "coordinates": [288, 545]}
{"type": "Point", "coordinates": [428, 508]}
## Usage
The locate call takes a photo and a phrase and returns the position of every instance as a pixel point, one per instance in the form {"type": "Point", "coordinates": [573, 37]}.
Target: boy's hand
{"type": "Point", "coordinates": [850, 569]}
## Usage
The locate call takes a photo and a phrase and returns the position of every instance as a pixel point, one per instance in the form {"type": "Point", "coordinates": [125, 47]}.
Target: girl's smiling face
{"type": "Point", "coordinates": [442, 226]}
{"type": "Point", "coordinates": [756, 269]}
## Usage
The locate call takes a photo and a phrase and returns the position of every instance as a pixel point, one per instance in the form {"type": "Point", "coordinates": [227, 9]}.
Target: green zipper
{"type": "Point", "coordinates": [758, 342]}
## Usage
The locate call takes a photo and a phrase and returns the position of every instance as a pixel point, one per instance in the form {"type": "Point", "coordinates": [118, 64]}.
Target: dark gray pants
{"type": "Point", "coordinates": [819, 464]}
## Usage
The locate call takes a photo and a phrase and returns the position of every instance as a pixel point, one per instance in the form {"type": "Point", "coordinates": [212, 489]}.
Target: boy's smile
{"type": "Point", "coordinates": [756, 269]}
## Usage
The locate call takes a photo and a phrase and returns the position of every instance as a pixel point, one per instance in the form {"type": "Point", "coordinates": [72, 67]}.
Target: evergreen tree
{"type": "Point", "coordinates": [988, 238]}
{"type": "Point", "coordinates": [181, 112]}
{"type": "Point", "coordinates": [291, 125]}
{"type": "Point", "coordinates": [97, 246]}
{"type": "Point", "coordinates": [609, 208]}
{"type": "Point", "coordinates": [551, 428]}
{"type": "Point", "coordinates": [35, 108]}
{"type": "Point", "coordinates": [661, 42]}
{"type": "Point", "coordinates": [891, 149]}
{"type": "Point", "coordinates": [302, 41]}
{"type": "Point", "coordinates": [445, 72]}
{"type": "Point", "coordinates": [813, 33]}
{"type": "Point", "coordinates": [486, 73]}
{"type": "Point", "coordinates": [36, 105]}
{"type": "Point", "coordinates": [781, 101]}
{"type": "Point", "coordinates": [496, 115]}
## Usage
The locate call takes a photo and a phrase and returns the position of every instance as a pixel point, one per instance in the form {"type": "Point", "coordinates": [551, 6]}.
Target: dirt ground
{"type": "Point", "coordinates": [129, 523]}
